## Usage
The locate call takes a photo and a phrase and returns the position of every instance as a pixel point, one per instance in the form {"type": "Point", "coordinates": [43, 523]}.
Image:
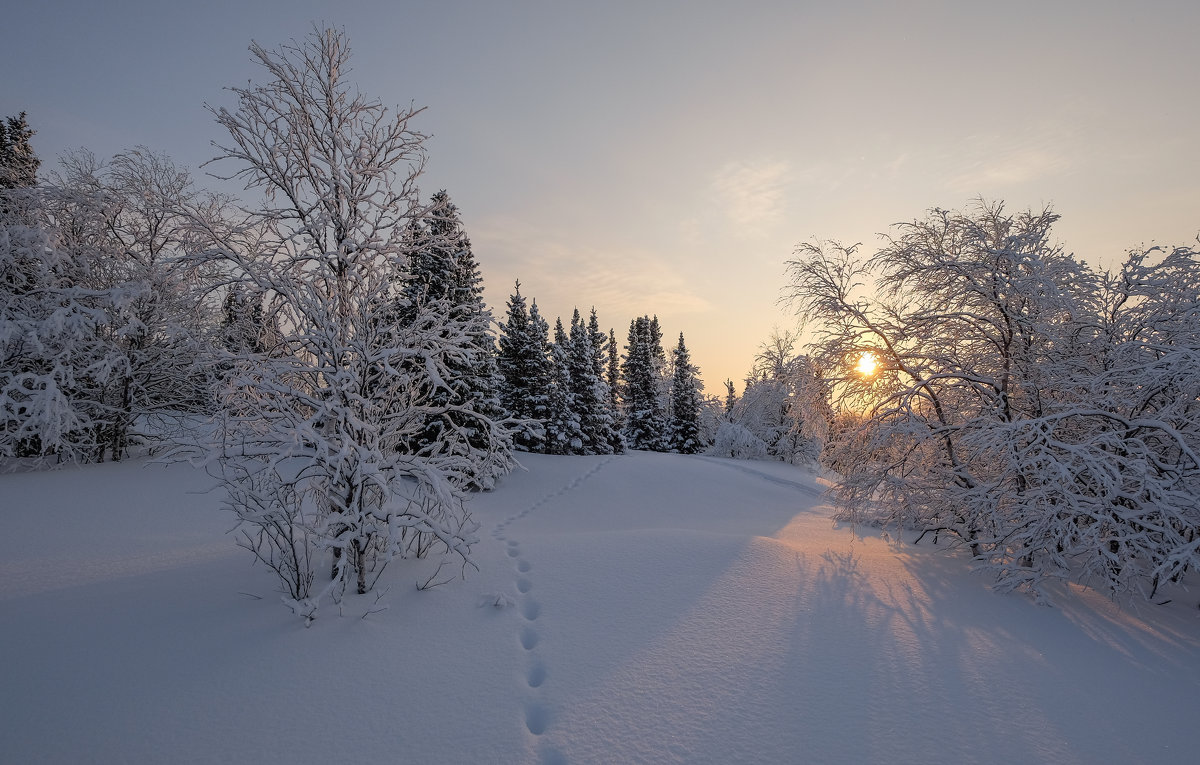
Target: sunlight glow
{"type": "Point", "coordinates": [867, 364]}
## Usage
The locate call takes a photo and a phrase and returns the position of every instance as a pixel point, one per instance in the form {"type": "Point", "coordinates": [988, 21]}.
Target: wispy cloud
{"type": "Point", "coordinates": [752, 193]}
{"type": "Point", "coordinates": [996, 161]}
{"type": "Point", "coordinates": [1007, 169]}
{"type": "Point", "coordinates": [562, 273]}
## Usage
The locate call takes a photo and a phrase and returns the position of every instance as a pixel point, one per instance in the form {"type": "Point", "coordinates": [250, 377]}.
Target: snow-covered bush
{"type": "Point", "coordinates": [101, 321]}
{"type": "Point", "coordinates": [52, 367]}
{"type": "Point", "coordinates": [1044, 414]}
{"type": "Point", "coordinates": [734, 440]}
{"type": "Point", "coordinates": [782, 407]}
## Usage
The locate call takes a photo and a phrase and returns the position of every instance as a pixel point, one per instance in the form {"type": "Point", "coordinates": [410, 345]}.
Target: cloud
{"type": "Point", "coordinates": [995, 161]}
{"type": "Point", "coordinates": [752, 193]}
{"type": "Point", "coordinates": [1006, 169]}
{"type": "Point", "coordinates": [563, 273]}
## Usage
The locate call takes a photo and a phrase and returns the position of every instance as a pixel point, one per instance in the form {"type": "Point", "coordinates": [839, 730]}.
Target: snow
{"type": "Point", "coordinates": [638, 608]}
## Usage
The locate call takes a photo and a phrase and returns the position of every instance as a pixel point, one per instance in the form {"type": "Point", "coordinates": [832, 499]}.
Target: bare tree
{"type": "Point", "coordinates": [103, 316]}
{"type": "Point", "coordinates": [999, 411]}
{"type": "Point", "coordinates": [315, 438]}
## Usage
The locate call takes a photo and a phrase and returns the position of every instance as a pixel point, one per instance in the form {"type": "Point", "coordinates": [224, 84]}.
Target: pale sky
{"type": "Point", "coordinates": [652, 157]}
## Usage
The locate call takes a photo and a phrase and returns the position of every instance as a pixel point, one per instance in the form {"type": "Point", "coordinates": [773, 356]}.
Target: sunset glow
{"type": "Point", "coordinates": [799, 150]}
{"type": "Point", "coordinates": [867, 364]}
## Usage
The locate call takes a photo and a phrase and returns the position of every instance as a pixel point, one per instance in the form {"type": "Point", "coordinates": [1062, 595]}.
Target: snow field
{"type": "Point", "coordinates": [651, 608]}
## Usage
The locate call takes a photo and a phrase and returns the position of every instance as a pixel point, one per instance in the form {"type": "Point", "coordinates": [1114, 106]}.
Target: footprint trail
{"type": "Point", "coordinates": [539, 712]}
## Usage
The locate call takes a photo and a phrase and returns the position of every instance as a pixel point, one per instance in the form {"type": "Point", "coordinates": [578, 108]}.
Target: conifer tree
{"type": "Point", "coordinates": [606, 433]}
{"type": "Point", "coordinates": [18, 162]}
{"type": "Point", "coordinates": [645, 423]}
{"type": "Point", "coordinates": [614, 373]}
{"type": "Point", "coordinates": [245, 326]}
{"type": "Point", "coordinates": [511, 358]}
{"type": "Point", "coordinates": [541, 377]}
{"type": "Point", "coordinates": [582, 381]}
{"type": "Point", "coordinates": [589, 392]}
{"type": "Point", "coordinates": [444, 277]}
{"type": "Point", "coordinates": [660, 373]}
{"type": "Point", "coordinates": [524, 369]}
{"type": "Point", "coordinates": [564, 434]}
{"type": "Point", "coordinates": [685, 403]}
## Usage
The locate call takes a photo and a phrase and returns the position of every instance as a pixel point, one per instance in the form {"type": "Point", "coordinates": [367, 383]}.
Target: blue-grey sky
{"type": "Point", "coordinates": [666, 157]}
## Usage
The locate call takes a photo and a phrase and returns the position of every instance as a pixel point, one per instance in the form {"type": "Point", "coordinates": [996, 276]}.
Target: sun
{"type": "Point", "coordinates": [867, 364]}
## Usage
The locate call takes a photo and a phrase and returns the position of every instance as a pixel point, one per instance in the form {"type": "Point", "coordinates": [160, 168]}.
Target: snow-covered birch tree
{"type": "Point", "coordinates": [156, 314]}
{"type": "Point", "coordinates": [999, 392]}
{"type": "Point", "coordinates": [102, 317]}
{"type": "Point", "coordinates": [313, 443]}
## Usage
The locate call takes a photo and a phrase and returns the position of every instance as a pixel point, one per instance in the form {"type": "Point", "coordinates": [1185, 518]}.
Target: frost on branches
{"type": "Point", "coordinates": [782, 413]}
{"type": "Point", "coordinates": [443, 273]}
{"type": "Point", "coordinates": [324, 447]}
{"type": "Point", "coordinates": [1044, 414]}
{"type": "Point", "coordinates": [51, 367]}
{"type": "Point", "coordinates": [99, 315]}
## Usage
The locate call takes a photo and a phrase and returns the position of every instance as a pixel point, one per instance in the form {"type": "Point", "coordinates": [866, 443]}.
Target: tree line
{"type": "Point", "coordinates": [577, 395]}
{"type": "Point", "coordinates": [325, 351]}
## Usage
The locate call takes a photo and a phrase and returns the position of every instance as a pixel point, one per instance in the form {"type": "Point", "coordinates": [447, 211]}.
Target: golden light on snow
{"type": "Point", "coordinates": [867, 364]}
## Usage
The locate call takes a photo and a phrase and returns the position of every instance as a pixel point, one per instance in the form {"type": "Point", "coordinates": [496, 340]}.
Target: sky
{"type": "Point", "coordinates": [667, 157]}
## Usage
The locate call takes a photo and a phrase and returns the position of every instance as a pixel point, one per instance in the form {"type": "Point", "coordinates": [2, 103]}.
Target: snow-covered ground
{"type": "Point", "coordinates": [654, 608]}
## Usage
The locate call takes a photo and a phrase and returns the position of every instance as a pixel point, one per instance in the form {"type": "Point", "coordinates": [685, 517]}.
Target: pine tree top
{"type": "Point", "coordinates": [18, 162]}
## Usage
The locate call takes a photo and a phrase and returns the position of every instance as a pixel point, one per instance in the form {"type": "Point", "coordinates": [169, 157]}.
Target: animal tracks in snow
{"type": "Point", "coordinates": [536, 674]}
{"type": "Point", "coordinates": [539, 713]}
{"type": "Point", "coordinates": [529, 638]}
{"type": "Point", "coordinates": [536, 717]}
{"type": "Point", "coordinates": [531, 609]}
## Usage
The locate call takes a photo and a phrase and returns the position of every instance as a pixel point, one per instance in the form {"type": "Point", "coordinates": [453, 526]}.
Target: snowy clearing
{"type": "Point", "coordinates": [652, 608]}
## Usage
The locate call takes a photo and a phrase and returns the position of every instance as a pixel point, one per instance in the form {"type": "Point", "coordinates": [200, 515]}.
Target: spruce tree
{"type": "Point", "coordinates": [645, 423]}
{"type": "Point", "coordinates": [606, 434]}
{"type": "Point", "coordinates": [589, 392]}
{"type": "Point", "coordinates": [524, 369]}
{"type": "Point", "coordinates": [444, 277]}
{"type": "Point", "coordinates": [613, 378]}
{"type": "Point", "coordinates": [244, 325]}
{"type": "Point", "coordinates": [582, 383]}
{"type": "Point", "coordinates": [614, 373]}
{"type": "Point", "coordinates": [564, 434]}
{"type": "Point", "coordinates": [510, 359]}
{"type": "Point", "coordinates": [685, 403]}
{"type": "Point", "coordinates": [661, 374]}
{"type": "Point", "coordinates": [541, 372]}
{"type": "Point", "coordinates": [18, 163]}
